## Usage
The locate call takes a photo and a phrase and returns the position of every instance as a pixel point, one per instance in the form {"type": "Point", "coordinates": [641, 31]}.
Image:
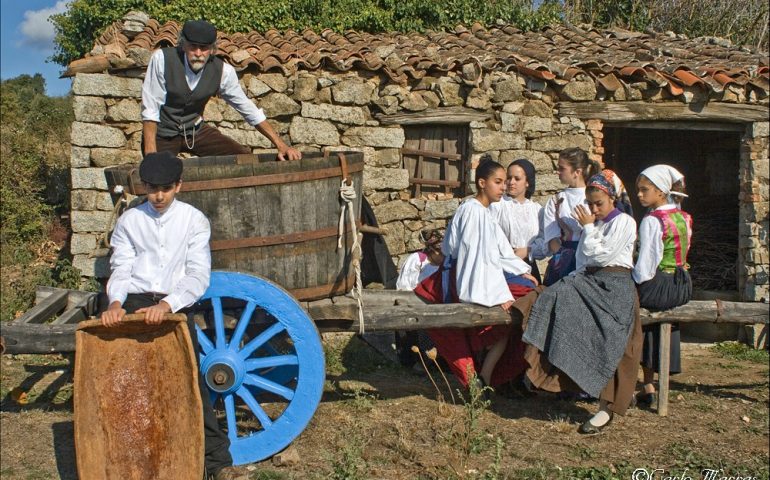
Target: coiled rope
{"type": "Point", "coordinates": [347, 196]}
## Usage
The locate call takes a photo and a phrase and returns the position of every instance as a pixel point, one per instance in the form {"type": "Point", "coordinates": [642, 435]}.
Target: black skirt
{"type": "Point", "coordinates": [663, 292]}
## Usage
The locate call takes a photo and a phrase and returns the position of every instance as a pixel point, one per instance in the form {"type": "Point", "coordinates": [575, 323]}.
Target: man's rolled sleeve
{"type": "Point", "coordinates": [232, 93]}
{"type": "Point", "coordinates": [154, 88]}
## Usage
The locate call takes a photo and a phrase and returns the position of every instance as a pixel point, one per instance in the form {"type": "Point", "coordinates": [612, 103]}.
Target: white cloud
{"type": "Point", "coordinates": [37, 31]}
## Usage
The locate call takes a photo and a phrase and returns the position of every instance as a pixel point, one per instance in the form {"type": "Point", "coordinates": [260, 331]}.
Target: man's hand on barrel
{"type": "Point", "coordinates": [154, 315]}
{"type": "Point", "coordinates": [113, 315]}
{"type": "Point", "coordinates": [288, 153]}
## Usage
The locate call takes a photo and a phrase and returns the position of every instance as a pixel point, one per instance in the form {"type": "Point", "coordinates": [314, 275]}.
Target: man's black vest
{"type": "Point", "coordinates": [183, 106]}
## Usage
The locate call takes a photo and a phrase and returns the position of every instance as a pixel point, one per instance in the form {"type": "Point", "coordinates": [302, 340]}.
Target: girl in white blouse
{"type": "Point", "coordinates": [519, 217]}
{"type": "Point", "coordinates": [561, 231]}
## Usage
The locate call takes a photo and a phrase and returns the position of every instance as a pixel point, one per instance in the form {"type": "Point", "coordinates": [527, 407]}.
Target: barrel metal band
{"type": "Point", "coordinates": [254, 180]}
{"type": "Point", "coordinates": [324, 291]}
{"type": "Point", "coordinates": [273, 240]}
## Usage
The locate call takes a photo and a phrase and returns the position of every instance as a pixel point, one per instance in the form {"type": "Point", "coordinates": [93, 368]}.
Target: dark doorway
{"type": "Point", "coordinates": [709, 160]}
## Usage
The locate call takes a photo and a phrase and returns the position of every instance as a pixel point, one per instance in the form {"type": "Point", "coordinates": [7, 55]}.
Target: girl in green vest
{"type": "Point", "coordinates": [661, 270]}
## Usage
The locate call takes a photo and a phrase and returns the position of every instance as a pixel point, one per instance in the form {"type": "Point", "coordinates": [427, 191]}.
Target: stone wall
{"type": "Point", "coordinates": [320, 110]}
{"type": "Point", "coordinates": [753, 235]}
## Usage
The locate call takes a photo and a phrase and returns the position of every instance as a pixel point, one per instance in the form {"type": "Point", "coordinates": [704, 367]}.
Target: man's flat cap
{"type": "Point", "coordinates": [200, 32]}
{"type": "Point", "coordinates": [161, 168]}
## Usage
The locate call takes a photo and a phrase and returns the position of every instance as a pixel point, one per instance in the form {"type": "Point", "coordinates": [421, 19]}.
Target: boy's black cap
{"type": "Point", "coordinates": [161, 168]}
{"type": "Point", "coordinates": [200, 32]}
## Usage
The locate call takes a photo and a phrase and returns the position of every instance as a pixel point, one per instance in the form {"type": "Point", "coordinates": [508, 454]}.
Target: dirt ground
{"type": "Point", "coordinates": [378, 420]}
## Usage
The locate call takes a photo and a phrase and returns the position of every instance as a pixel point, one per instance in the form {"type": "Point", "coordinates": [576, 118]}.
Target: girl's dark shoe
{"type": "Point", "coordinates": [646, 400]}
{"type": "Point", "coordinates": [588, 428]}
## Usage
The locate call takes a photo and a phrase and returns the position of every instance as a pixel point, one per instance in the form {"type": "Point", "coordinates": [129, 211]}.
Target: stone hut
{"type": "Point", "coordinates": [424, 107]}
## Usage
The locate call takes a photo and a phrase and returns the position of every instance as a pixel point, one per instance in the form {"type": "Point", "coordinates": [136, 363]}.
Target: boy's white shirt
{"type": "Point", "coordinates": [413, 271]}
{"type": "Point", "coordinates": [164, 253]}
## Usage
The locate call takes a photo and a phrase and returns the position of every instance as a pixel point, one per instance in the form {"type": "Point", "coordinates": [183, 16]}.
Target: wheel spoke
{"type": "Point", "coordinates": [260, 339]}
{"type": "Point", "coordinates": [265, 362]}
{"type": "Point", "coordinates": [204, 341]}
{"type": "Point", "coordinates": [219, 322]}
{"type": "Point", "coordinates": [235, 340]}
{"type": "Point", "coordinates": [255, 407]}
{"type": "Point", "coordinates": [268, 385]}
{"type": "Point", "coordinates": [232, 430]}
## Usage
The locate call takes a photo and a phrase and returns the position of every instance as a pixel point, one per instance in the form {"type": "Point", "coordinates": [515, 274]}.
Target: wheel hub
{"type": "Point", "coordinates": [220, 377]}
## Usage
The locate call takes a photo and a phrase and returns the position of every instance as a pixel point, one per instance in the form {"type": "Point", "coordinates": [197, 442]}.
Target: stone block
{"type": "Point", "coordinates": [105, 85]}
{"type": "Point", "coordinates": [305, 87]}
{"type": "Point", "coordinates": [513, 107]}
{"type": "Point", "coordinates": [760, 129]}
{"type": "Point", "coordinates": [352, 91]}
{"type": "Point", "coordinates": [126, 110]}
{"type": "Point", "coordinates": [548, 182]}
{"type": "Point", "coordinates": [276, 81]}
{"type": "Point", "coordinates": [374, 137]}
{"type": "Point", "coordinates": [278, 104]}
{"type": "Point", "coordinates": [90, 200]}
{"type": "Point", "coordinates": [82, 243]}
{"type": "Point", "coordinates": [250, 138]}
{"type": "Point", "coordinates": [98, 267]}
{"type": "Point", "coordinates": [506, 90]}
{"type": "Point", "coordinates": [449, 92]}
{"type": "Point", "coordinates": [510, 122]}
{"type": "Point", "coordinates": [396, 210]}
{"type": "Point", "coordinates": [555, 144]}
{"type": "Point", "coordinates": [388, 157]}
{"type": "Point", "coordinates": [414, 102]}
{"type": "Point", "coordinates": [256, 87]}
{"type": "Point", "coordinates": [484, 140]}
{"type": "Point", "coordinates": [213, 111]}
{"type": "Point", "coordinates": [336, 113]}
{"type": "Point", "coordinates": [537, 108]}
{"type": "Point", "coordinates": [90, 221]}
{"type": "Point", "coordinates": [431, 99]}
{"type": "Point", "coordinates": [80, 157]}
{"type": "Point", "coordinates": [395, 239]}
{"type": "Point", "coordinates": [309, 130]}
{"type": "Point", "coordinates": [478, 99]}
{"type": "Point", "coordinates": [387, 104]}
{"type": "Point", "coordinates": [92, 135]}
{"type": "Point", "coordinates": [439, 209]}
{"type": "Point", "coordinates": [541, 161]}
{"type": "Point", "coordinates": [579, 91]}
{"type": "Point", "coordinates": [88, 109]}
{"type": "Point", "coordinates": [88, 178]}
{"type": "Point", "coordinates": [385, 178]}
{"type": "Point", "coordinates": [535, 124]}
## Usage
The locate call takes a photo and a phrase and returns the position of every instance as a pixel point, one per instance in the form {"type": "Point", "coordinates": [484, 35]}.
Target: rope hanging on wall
{"type": "Point", "coordinates": [347, 196]}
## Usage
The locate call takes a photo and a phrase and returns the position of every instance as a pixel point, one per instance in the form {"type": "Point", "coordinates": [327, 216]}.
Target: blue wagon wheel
{"type": "Point", "coordinates": [268, 374]}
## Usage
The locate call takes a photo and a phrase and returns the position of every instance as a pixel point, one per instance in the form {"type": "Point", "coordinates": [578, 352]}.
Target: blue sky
{"type": "Point", "coordinates": [26, 41]}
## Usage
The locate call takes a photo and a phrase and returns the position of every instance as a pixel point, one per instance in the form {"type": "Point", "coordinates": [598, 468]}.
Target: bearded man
{"type": "Point", "coordinates": [179, 82]}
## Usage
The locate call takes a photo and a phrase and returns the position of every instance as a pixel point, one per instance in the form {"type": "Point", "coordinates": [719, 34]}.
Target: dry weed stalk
{"type": "Point", "coordinates": [432, 354]}
{"type": "Point", "coordinates": [439, 396]}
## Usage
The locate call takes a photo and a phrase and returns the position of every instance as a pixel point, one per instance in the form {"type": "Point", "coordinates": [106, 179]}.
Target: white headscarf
{"type": "Point", "coordinates": [663, 177]}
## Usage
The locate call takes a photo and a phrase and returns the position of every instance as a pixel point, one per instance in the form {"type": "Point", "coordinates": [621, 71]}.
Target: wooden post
{"type": "Point", "coordinates": [664, 364]}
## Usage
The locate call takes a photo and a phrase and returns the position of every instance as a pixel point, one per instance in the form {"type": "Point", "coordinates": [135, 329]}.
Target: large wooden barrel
{"type": "Point", "coordinates": [275, 219]}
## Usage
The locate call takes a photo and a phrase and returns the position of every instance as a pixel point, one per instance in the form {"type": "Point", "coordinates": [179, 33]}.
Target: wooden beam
{"type": "Point", "coordinates": [664, 363]}
{"type": "Point", "coordinates": [642, 111]}
{"type": "Point", "coordinates": [428, 153]}
{"type": "Point", "coordinates": [45, 309]}
{"type": "Point", "coordinates": [683, 125]}
{"type": "Point", "coordinates": [428, 181]}
{"type": "Point", "coordinates": [36, 338]}
{"type": "Point", "coordinates": [439, 116]}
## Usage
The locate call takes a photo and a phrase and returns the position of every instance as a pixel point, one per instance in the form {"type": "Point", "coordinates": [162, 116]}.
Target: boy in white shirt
{"type": "Point", "coordinates": [161, 263]}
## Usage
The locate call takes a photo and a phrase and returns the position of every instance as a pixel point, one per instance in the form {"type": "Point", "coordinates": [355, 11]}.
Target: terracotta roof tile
{"type": "Point", "coordinates": [556, 54]}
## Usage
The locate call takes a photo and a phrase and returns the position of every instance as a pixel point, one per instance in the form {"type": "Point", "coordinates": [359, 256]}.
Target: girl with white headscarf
{"type": "Point", "coordinates": [661, 270]}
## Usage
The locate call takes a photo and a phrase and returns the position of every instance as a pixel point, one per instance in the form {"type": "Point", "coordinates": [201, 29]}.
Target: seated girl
{"type": "Point", "coordinates": [661, 269]}
{"type": "Point", "coordinates": [519, 217]}
{"type": "Point", "coordinates": [477, 259]}
{"type": "Point", "coordinates": [584, 332]}
{"type": "Point", "coordinates": [422, 264]}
